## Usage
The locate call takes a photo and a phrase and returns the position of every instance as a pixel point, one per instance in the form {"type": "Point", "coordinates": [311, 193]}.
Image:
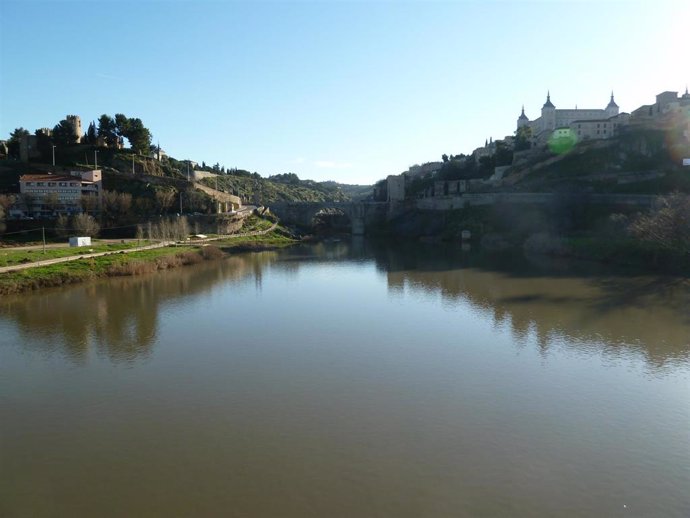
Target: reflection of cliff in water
{"type": "Point", "coordinates": [577, 300]}
{"type": "Point", "coordinates": [118, 317]}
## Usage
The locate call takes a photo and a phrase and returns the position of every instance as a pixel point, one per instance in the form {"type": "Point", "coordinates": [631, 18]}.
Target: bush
{"type": "Point", "coordinates": [85, 225]}
{"type": "Point", "coordinates": [211, 252]}
{"type": "Point", "coordinates": [668, 225]}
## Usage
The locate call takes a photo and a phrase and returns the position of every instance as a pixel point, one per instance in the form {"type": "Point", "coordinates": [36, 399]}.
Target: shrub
{"type": "Point", "coordinates": [668, 225]}
{"type": "Point", "coordinates": [211, 252]}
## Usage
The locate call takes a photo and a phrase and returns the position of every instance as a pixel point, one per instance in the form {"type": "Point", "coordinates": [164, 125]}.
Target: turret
{"type": "Point", "coordinates": [522, 119]}
{"type": "Point", "coordinates": [548, 114]}
{"type": "Point", "coordinates": [612, 108]}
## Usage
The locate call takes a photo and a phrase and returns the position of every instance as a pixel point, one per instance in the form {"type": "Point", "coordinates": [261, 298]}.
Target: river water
{"type": "Point", "coordinates": [349, 379]}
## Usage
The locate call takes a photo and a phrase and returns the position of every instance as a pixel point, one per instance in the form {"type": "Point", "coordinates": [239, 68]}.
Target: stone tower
{"type": "Point", "coordinates": [522, 119]}
{"type": "Point", "coordinates": [548, 114]}
{"type": "Point", "coordinates": [612, 108]}
{"type": "Point", "coordinates": [75, 122]}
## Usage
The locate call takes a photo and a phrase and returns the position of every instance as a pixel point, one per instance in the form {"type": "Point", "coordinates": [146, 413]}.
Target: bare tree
{"type": "Point", "coordinates": [85, 225]}
{"type": "Point", "coordinates": [52, 202]}
{"type": "Point", "coordinates": [62, 226]}
{"type": "Point", "coordinates": [116, 205]}
{"type": "Point", "coordinates": [668, 225]}
{"type": "Point", "coordinates": [29, 200]}
{"type": "Point", "coordinates": [88, 203]}
{"type": "Point", "coordinates": [164, 199]}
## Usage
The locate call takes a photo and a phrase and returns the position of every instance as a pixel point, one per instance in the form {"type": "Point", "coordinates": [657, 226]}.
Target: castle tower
{"type": "Point", "coordinates": [522, 119]}
{"type": "Point", "coordinates": [612, 108]}
{"type": "Point", "coordinates": [75, 122]}
{"type": "Point", "coordinates": [548, 114]}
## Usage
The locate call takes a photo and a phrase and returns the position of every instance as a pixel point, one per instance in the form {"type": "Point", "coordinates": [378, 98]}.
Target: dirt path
{"type": "Point", "coordinates": [47, 262]}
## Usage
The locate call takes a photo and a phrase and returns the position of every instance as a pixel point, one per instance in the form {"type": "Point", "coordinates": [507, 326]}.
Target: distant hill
{"type": "Point", "coordinates": [251, 187]}
{"type": "Point", "coordinates": [285, 187]}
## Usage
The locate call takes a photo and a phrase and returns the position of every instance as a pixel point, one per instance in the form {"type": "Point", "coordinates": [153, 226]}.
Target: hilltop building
{"type": "Point", "coordinates": [46, 194]}
{"type": "Point", "coordinates": [670, 111]}
{"type": "Point", "coordinates": [585, 123]}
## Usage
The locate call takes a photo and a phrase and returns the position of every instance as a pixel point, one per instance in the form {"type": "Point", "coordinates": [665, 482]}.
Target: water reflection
{"type": "Point", "coordinates": [552, 300]}
{"type": "Point", "coordinates": [584, 302]}
{"type": "Point", "coordinates": [117, 317]}
{"type": "Point", "coordinates": [556, 298]}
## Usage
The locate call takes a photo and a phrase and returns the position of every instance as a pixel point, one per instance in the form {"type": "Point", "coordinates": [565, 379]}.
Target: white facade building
{"type": "Point", "coordinates": [585, 123]}
{"type": "Point", "coordinates": [66, 190]}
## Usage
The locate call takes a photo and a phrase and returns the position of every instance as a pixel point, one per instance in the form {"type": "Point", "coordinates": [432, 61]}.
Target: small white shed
{"type": "Point", "coordinates": [79, 241]}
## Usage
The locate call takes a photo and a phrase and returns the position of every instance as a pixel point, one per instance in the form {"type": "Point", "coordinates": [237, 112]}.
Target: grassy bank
{"type": "Point", "coordinates": [11, 257]}
{"type": "Point", "coordinates": [133, 263]}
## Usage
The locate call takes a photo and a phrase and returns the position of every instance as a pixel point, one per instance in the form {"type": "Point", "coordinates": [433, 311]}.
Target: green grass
{"type": "Point", "coordinates": [11, 257]}
{"type": "Point", "coordinates": [80, 270]}
{"type": "Point", "coordinates": [273, 240]}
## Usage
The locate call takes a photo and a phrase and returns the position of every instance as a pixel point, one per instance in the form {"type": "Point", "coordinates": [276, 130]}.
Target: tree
{"type": "Point", "coordinates": [44, 144]}
{"type": "Point", "coordinates": [63, 134]}
{"type": "Point", "coordinates": [523, 138]}
{"type": "Point", "coordinates": [15, 141]}
{"type": "Point", "coordinates": [52, 202]}
{"type": "Point", "coordinates": [116, 205]}
{"type": "Point", "coordinates": [91, 136]}
{"type": "Point", "coordinates": [29, 200]}
{"type": "Point", "coordinates": [107, 130]}
{"type": "Point", "coordinates": [668, 225]}
{"type": "Point", "coordinates": [88, 203]}
{"type": "Point", "coordinates": [164, 199]}
{"type": "Point", "coordinates": [62, 226]}
{"type": "Point", "coordinates": [444, 157]}
{"type": "Point", "coordinates": [85, 225]}
{"type": "Point", "coordinates": [504, 155]}
{"type": "Point", "coordinates": [121, 124]}
{"type": "Point", "coordinates": [138, 135]}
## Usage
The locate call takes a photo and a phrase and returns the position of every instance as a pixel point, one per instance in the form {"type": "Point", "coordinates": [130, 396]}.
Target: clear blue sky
{"type": "Point", "coordinates": [349, 91]}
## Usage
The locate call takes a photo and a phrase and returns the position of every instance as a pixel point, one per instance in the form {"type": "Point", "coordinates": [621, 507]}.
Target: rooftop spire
{"type": "Point", "coordinates": [612, 103]}
{"type": "Point", "coordinates": [548, 103]}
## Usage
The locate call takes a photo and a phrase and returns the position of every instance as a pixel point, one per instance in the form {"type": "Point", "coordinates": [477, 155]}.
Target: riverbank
{"type": "Point", "coordinates": [135, 263]}
{"type": "Point", "coordinates": [655, 241]}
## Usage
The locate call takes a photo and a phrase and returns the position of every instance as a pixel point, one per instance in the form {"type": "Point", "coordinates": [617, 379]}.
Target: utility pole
{"type": "Point", "coordinates": [187, 170]}
{"type": "Point", "coordinates": [44, 239]}
{"type": "Point", "coordinates": [95, 159]}
{"type": "Point", "coordinates": [54, 157]}
{"type": "Point", "coordinates": [132, 164]}
{"type": "Point", "coordinates": [180, 203]}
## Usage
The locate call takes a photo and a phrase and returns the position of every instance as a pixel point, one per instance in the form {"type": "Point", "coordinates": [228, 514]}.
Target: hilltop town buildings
{"type": "Point", "coordinates": [670, 111]}
{"type": "Point", "coordinates": [590, 123]}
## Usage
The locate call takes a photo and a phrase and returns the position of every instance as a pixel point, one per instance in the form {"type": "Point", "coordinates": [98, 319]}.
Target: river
{"type": "Point", "coordinates": [349, 379]}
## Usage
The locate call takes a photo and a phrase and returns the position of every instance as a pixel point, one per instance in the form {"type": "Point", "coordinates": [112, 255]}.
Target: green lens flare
{"type": "Point", "coordinates": [562, 140]}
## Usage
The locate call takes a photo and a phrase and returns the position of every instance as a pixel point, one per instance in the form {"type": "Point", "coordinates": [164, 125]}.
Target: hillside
{"type": "Point", "coordinates": [637, 161]}
{"type": "Point", "coordinates": [253, 188]}
{"type": "Point", "coordinates": [133, 173]}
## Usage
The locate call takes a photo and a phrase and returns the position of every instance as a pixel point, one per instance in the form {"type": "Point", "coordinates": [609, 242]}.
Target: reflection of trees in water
{"type": "Point", "coordinates": [616, 313]}
{"type": "Point", "coordinates": [619, 313]}
{"type": "Point", "coordinates": [540, 297]}
{"type": "Point", "coordinates": [117, 317]}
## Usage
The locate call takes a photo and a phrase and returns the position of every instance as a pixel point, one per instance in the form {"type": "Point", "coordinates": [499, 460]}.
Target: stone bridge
{"type": "Point", "coordinates": [361, 214]}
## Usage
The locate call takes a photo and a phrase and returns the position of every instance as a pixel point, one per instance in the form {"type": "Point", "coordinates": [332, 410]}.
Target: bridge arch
{"type": "Point", "coordinates": [302, 214]}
